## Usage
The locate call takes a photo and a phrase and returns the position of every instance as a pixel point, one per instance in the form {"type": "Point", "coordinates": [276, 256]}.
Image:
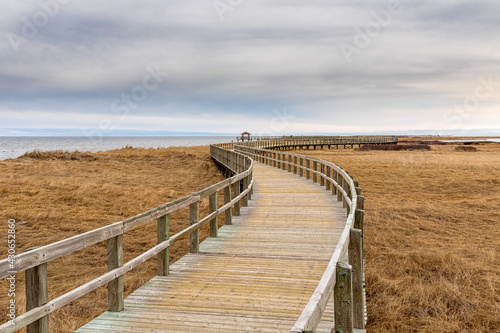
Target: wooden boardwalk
{"type": "Point", "coordinates": [256, 276]}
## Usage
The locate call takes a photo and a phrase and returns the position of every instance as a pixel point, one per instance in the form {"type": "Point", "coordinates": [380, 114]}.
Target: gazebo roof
{"type": "Point", "coordinates": [246, 133]}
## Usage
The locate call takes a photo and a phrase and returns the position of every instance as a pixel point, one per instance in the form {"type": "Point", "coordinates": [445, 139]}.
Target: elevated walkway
{"type": "Point", "coordinates": [256, 276]}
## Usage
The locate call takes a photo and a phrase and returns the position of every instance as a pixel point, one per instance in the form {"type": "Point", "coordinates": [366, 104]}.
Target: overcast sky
{"type": "Point", "coordinates": [264, 66]}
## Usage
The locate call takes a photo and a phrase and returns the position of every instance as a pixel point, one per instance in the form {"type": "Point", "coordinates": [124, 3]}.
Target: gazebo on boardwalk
{"type": "Point", "coordinates": [247, 136]}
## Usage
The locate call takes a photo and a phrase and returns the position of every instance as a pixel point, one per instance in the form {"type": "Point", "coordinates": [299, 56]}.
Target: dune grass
{"type": "Point", "coordinates": [57, 195]}
{"type": "Point", "coordinates": [432, 236]}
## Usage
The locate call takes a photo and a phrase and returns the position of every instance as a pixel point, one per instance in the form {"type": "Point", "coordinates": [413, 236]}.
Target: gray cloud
{"type": "Point", "coordinates": [265, 54]}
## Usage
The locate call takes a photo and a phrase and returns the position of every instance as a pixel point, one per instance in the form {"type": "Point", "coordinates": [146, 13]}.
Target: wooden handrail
{"type": "Point", "coordinates": [235, 164]}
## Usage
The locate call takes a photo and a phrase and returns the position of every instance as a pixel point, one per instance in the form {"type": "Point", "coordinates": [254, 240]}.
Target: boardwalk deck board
{"type": "Point", "coordinates": [256, 276]}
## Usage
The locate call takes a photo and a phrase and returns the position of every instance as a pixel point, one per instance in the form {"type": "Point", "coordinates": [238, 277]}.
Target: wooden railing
{"type": "Point", "coordinates": [34, 262]}
{"type": "Point", "coordinates": [343, 276]}
{"type": "Point", "coordinates": [307, 141]}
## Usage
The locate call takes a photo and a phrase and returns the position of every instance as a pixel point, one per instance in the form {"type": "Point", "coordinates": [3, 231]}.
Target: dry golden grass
{"type": "Point", "coordinates": [58, 195]}
{"type": "Point", "coordinates": [432, 236]}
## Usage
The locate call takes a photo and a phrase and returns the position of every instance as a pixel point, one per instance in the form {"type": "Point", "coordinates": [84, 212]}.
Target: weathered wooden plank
{"type": "Point", "coordinates": [358, 294]}
{"type": "Point", "coordinates": [237, 205]}
{"type": "Point", "coordinates": [194, 218]}
{"type": "Point", "coordinates": [227, 200]}
{"type": "Point", "coordinates": [244, 201]}
{"type": "Point", "coordinates": [214, 223]}
{"type": "Point", "coordinates": [343, 299]}
{"type": "Point", "coordinates": [358, 219]}
{"type": "Point", "coordinates": [37, 295]}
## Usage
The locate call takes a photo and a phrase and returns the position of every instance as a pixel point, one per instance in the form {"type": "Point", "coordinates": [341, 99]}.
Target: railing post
{"type": "Point", "coordinates": [237, 188]}
{"type": "Point", "coordinates": [37, 295]}
{"type": "Point", "coordinates": [244, 200]}
{"type": "Point", "coordinates": [322, 176]}
{"type": "Point", "coordinates": [359, 216]}
{"type": "Point", "coordinates": [328, 174]}
{"type": "Point", "coordinates": [358, 191]}
{"type": "Point", "coordinates": [251, 190]}
{"type": "Point", "coordinates": [283, 160]}
{"type": "Point", "coordinates": [308, 166]}
{"type": "Point", "coordinates": [115, 287]}
{"type": "Point", "coordinates": [295, 164]}
{"type": "Point", "coordinates": [343, 299]}
{"type": "Point", "coordinates": [340, 180]}
{"type": "Point", "coordinates": [194, 236]}
{"type": "Point", "coordinates": [227, 199]}
{"type": "Point", "coordinates": [301, 172]}
{"type": "Point", "coordinates": [356, 261]}
{"type": "Point", "coordinates": [163, 234]}
{"type": "Point", "coordinates": [274, 161]}
{"type": "Point", "coordinates": [334, 177]}
{"type": "Point", "coordinates": [315, 168]}
{"type": "Point", "coordinates": [249, 180]}
{"type": "Point", "coordinates": [214, 223]}
{"type": "Point", "coordinates": [344, 186]}
{"type": "Point", "coordinates": [289, 163]}
{"type": "Point", "coordinates": [361, 202]}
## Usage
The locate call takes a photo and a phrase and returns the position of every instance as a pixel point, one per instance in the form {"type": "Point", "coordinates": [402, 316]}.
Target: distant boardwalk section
{"type": "Point", "coordinates": [256, 276]}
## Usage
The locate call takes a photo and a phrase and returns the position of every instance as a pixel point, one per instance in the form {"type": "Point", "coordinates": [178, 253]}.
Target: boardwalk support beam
{"type": "Point", "coordinates": [115, 287]}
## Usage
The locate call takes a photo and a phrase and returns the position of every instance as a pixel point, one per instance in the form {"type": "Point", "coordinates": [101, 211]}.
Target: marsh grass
{"type": "Point", "coordinates": [56, 195]}
{"type": "Point", "coordinates": [432, 227]}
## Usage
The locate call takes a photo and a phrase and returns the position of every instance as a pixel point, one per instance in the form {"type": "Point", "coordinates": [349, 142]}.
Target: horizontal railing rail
{"type": "Point", "coordinates": [34, 262]}
{"type": "Point", "coordinates": [343, 280]}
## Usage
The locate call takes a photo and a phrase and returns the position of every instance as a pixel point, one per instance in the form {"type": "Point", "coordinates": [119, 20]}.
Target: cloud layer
{"type": "Point", "coordinates": [263, 66]}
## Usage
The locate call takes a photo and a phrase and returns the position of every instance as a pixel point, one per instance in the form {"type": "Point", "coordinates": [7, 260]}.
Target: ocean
{"type": "Point", "coordinates": [12, 147]}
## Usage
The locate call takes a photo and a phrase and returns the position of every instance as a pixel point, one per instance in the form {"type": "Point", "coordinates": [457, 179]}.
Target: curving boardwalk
{"type": "Point", "coordinates": [256, 276]}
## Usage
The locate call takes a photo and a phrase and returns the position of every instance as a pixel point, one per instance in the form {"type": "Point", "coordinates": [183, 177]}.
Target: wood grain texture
{"type": "Point", "coordinates": [256, 276]}
{"type": "Point", "coordinates": [163, 234]}
{"type": "Point", "coordinates": [115, 287]}
{"type": "Point", "coordinates": [358, 293]}
{"type": "Point", "coordinates": [36, 295]}
{"type": "Point", "coordinates": [343, 299]}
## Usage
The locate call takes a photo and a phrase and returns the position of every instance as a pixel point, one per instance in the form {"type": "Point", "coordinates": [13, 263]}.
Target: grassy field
{"type": "Point", "coordinates": [432, 233]}
{"type": "Point", "coordinates": [432, 236]}
{"type": "Point", "coordinates": [58, 195]}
